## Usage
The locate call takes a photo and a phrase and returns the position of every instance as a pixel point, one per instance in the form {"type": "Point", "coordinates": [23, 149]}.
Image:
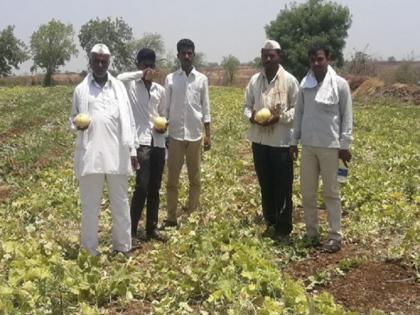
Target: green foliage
{"type": "Point", "coordinates": [314, 21]}
{"type": "Point", "coordinates": [117, 35]}
{"type": "Point", "coordinates": [230, 64]}
{"type": "Point", "coordinates": [217, 262]}
{"type": "Point", "coordinates": [12, 51]}
{"type": "Point", "coordinates": [52, 46]}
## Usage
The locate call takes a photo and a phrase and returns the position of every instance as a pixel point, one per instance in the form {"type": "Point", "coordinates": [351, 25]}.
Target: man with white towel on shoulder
{"type": "Point", "coordinates": [105, 150]}
{"type": "Point", "coordinates": [323, 125]}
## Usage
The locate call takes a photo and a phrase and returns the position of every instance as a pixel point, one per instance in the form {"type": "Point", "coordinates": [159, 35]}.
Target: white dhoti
{"type": "Point", "coordinates": [91, 188]}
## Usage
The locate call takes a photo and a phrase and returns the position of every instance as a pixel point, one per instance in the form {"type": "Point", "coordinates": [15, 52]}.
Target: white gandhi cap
{"type": "Point", "coordinates": [100, 49]}
{"type": "Point", "coordinates": [271, 44]}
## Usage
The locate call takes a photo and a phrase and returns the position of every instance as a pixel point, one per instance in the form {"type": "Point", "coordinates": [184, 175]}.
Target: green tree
{"type": "Point", "coordinates": [52, 46]}
{"type": "Point", "coordinates": [230, 64]}
{"type": "Point", "coordinates": [117, 35]}
{"type": "Point", "coordinates": [256, 62]}
{"type": "Point", "coordinates": [301, 25]}
{"type": "Point", "coordinates": [149, 40]}
{"type": "Point", "coordinates": [12, 51]}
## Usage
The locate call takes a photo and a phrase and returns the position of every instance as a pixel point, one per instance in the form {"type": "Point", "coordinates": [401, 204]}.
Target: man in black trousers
{"type": "Point", "coordinates": [148, 101]}
{"type": "Point", "coordinates": [274, 91]}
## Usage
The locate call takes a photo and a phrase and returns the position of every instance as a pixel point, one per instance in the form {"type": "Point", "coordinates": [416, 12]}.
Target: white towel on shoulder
{"type": "Point", "coordinates": [328, 91]}
{"type": "Point", "coordinates": [127, 123]}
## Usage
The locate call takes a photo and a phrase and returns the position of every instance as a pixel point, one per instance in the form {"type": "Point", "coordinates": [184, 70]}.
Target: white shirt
{"type": "Point", "coordinates": [104, 153]}
{"type": "Point", "coordinates": [146, 106]}
{"type": "Point", "coordinates": [188, 105]}
{"type": "Point", "coordinates": [279, 134]}
{"type": "Point", "coordinates": [324, 125]}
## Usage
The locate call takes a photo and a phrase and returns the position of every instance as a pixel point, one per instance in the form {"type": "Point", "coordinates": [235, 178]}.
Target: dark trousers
{"type": "Point", "coordinates": [148, 180]}
{"type": "Point", "coordinates": [274, 168]}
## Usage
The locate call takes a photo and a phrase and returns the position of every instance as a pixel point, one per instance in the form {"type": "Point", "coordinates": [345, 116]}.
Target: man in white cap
{"type": "Point", "coordinates": [105, 150]}
{"type": "Point", "coordinates": [273, 89]}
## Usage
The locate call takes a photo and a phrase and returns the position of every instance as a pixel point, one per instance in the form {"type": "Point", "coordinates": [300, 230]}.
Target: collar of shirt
{"type": "Point", "coordinates": [274, 78]}
{"type": "Point", "coordinates": [93, 81]}
{"type": "Point", "coordinates": [153, 86]}
{"type": "Point", "coordinates": [193, 72]}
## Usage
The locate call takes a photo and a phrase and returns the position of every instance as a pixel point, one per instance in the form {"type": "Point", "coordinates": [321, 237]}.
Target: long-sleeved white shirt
{"type": "Point", "coordinates": [188, 106]}
{"type": "Point", "coordinates": [104, 152]}
{"type": "Point", "coordinates": [146, 105]}
{"type": "Point", "coordinates": [321, 125]}
{"type": "Point", "coordinates": [279, 134]}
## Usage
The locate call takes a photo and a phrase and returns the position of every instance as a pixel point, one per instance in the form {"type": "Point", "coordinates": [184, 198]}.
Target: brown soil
{"type": "Point", "coordinates": [390, 287]}
{"type": "Point", "coordinates": [133, 308]}
{"type": "Point", "coordinates": [6, 191]}
{"type": "Point", "coordinates": [368, 285]}
{"type": "Point", "coordinates": [373, 87]}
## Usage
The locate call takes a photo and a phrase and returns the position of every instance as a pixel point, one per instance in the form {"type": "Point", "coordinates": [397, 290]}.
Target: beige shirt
{"type": "Point", "coordinates": [279, 134]}
{"type": "Point", "coordinates": [188, 106]}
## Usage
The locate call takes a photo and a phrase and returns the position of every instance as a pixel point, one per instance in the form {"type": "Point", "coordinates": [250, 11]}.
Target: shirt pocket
{"type": "Point", "coordinates": [330, 109]}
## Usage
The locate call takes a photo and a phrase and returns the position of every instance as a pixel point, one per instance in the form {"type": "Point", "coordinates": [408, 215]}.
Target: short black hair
{"type": "Point", "coordinates": [316, 47]}
{"type": "Point", "coordinates": [185, 43]}
{"type": "Point", "coordinates": [146, 54]}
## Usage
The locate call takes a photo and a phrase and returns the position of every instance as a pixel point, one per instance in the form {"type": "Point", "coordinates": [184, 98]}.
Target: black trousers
{"type": "Point", "coordinates": [148, 181]}
{"type": "Point", "coordinates": [274, 168]}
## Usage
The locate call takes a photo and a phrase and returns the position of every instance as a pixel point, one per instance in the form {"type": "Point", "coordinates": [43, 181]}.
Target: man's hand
{"type": "Point", "coordinates": [82, 129]}
{"type": "Point", "coordinates": [271, 121]}
{"type": "Point", "coordinates": [162, 130]}
{"type": "Point", "coordinates": [345, 156]}
{"type": "Point", "coordinates": [207, 143]}
{"type": "Point", "coordinates": [294, 152]}
{"type": "Point", "coordinates": [148, 74]}
{"type": "Point", "coordinates": [134, 162]}
{"type": "Point", "coordinates": [252, 119]}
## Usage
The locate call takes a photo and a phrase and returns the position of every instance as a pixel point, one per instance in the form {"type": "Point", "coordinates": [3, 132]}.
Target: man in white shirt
{"type": "Point", "coordinates": [188, 109]}
{"type": "Point", "coordinates": [323, 125]}
{"type": "Point", "coordinates": [103, 151]}
{"type": "Point", "coordinates": [275, 89]}
{"type": "Point", "coordinates": [148, 101]}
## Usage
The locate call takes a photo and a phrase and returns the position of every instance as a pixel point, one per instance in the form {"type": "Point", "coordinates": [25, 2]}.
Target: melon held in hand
{"type": "Point", "coordinates": [160, 123]}
{"type": "Point", "coordinates": [262, 115]}
{"type": "Point", "coordinates": [82, 120]}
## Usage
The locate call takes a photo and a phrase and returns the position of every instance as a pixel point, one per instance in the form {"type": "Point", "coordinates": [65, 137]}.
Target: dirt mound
{"type": "Point", "coordinates": [377, 88]}
{"type": "Point", "coordinates": [355, 80]}
{"type": "Point", "coordinates": [370, 87]}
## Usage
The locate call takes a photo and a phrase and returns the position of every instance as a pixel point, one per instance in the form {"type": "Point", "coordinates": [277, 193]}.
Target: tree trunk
{"type": "Point", "coordinates": [48, 80]}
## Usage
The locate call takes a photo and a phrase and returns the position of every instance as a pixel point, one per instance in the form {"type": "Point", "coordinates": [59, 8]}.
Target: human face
{"type": "Point", "coordinates": [146, 64]}
{"type": "Point", "coordinates": [319, 63]}
{"type": "Point", "coordinates": [99, 64]}
{"type": "Point", "coordinates": [186, 57]}
{"type": "Point", "coordinates": [270, 59]}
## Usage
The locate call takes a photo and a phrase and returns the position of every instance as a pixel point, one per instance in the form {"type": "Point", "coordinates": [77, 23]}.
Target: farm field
{"type": "Point", "coordinates": [217, 261]}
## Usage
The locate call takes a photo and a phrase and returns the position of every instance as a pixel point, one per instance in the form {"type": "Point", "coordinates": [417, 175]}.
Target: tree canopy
{"type": "Point", "coordinates": [230, 64]}
{"type": "Point", "coordinates": [52, 46]}
{"type": "Point", "coordinates": [12, 51]}
{"type": "Point", "coordinates": [299, 26]}
{"type": "Point", "coordinates": [117, 35]}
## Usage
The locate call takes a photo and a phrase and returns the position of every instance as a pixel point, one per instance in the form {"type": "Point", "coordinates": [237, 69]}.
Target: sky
{"type": "Point", "coordinates": [381, 28]}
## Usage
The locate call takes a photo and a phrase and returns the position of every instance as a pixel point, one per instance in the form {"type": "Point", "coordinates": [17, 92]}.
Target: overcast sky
{"type": "Point", "coordinates": [382, 28]}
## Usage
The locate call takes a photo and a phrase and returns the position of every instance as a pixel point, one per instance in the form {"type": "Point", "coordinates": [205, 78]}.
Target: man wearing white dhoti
{"type": "Point", "coordinates": [105, 150]}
